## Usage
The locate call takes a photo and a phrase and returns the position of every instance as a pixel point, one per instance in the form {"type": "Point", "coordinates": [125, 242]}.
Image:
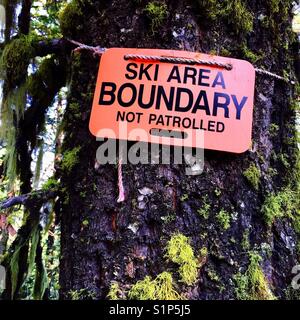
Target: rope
{"type": "Point", "coordinates": [178, 60]}
{"type": "Point", "coordinates": [98, 51]}
{"type": "Point", "coordinates": [121, 197]}
{"type": "Point", "coordinates": [202, 62]}
{"type": "Point", "coordinates": [273, 75]}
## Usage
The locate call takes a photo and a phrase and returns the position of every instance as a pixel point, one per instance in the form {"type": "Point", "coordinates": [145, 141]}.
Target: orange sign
{"type": "Point", "coordinates": [183, 93]}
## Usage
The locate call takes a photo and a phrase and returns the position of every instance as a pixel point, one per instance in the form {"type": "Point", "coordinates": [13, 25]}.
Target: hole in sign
{"type": "Point", "coordinates": [169, 133]}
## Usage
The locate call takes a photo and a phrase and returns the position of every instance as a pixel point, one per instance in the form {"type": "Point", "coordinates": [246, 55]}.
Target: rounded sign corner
{"type": "Point", "coordinates": [249, 64]}
{"type": "Point", "coordinates": [244, 148]}
{"type": "Point", "coordinates": [92, 129]}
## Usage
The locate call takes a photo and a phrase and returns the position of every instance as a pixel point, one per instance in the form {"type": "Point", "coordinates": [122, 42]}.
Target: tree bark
{"type": "Point", "coordinates": [125, 242]}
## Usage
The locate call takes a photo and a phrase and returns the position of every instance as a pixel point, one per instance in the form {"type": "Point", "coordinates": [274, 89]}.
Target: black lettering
{"type": "Point", "coordinates": [168, 118]}
{"type": "Point", "coordinates": [160, 120]}
{"type": "Point", "coordinates": [162, 94]}
{"type": "Point", "coordinates": [151, 99]}
{"type": "Point", "coordinates": [144, 71]}
{"type": "Point", "coordinates": [219, 81]}
{"type": "Point", "coordinates": [121, 116]}
{"type": "Point", "coordinates": [156, 72]}
{"type": "Point", "coordinates": [211, 125]}
{"type": "Point", "coordinates": [130, 117]}
{"type": "Point", "coordinates": [223, 105]}
{"type": "Point", "coordinates": [190, 73]}
{"type": "Point", "coordinates": [176, 120]}
{"type": "Point", "coordinates": [105, 92]}
{"type": "Point", "coordinates": [186, 123]}
{"type": "Point", "coordinates": [152, 117]}
{"type": "Point", "coordinates": [179, 93]}
{"type": "Point", "coordinates": [202, 76]}
{"type": "Point", "coordinates": [204, 105]}
{"type": "Point", "coordinates": [220, 127]}
{"type": "Point", "coordinates": [130, 70]}
{"type": "Point", "coordinates": [174, 75]}
{"type": "Point", "coordinates": [139, 115]}
{"type": "Point", "coordinates": [239, 106]}
{"type": "Point", "coordinates": [202, 127]}
{"type": "Point", "coordinates": [123, 87]}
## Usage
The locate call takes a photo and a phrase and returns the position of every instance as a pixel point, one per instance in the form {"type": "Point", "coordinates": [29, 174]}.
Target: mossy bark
{"type": "Point", "coordinates": [99, 243]}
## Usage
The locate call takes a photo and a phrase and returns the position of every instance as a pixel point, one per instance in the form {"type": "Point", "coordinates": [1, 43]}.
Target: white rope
{"type": "Point", "coordinates": [178, 60]}
{"type": "Point", "coordinates": [273, 75]}
{"type": "Point", "coordinates": [99, 51]}
{"type": "Point", "coordinates": [121, 196]}
{"type": "Point", "coordinates": [80, 46]}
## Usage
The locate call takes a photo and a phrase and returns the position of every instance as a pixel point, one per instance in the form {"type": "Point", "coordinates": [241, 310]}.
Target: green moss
{"type": "Point", "coordinates": [203, 252]}
{"type": "Point", "coordinates": [85, 222]}
{"type": "Point", "coordinates": [179, 249]}
{"type": "Point", "coordinates": [75, 110]}
{"type": "Point", "coordinates": [11, 111]}
{"type": "Point", "coordinates": [189, 272]}
{"type": "Point", "coordinates": [83, 194]}
{"type": "Point", "coordinates": [217, 192]}
{"type": "Point", "coordinates": [70, 18]}
{"type": "Point", "coordinates": [274, 5]}
{"type": "Point", "coordinates": [10, 160]}
{"type": "Point", "coordinates": [245, 241]}
{"type": "Point", "coordinates": [225, 52]}
{"type": "Point", "coordinates": [165, 287]}
{"type": "Point", "coordinates": [50, 184]}
{"type": "Point", "coordinates": [272, 172]}
{"type": "Point", "coordinates": [233, 12]}
{"type": "Point", "coordinates": [297, 248]}
{"type": "Point", "coordinates": [15, 59]}
{"type": "Point", "coordinates": [205, 209]}
{"type": "Point", "coordinates": [284, 203]}
{"type": "Point", "coordinates": [161, 288]}
{"type": "Point", "coordinates": [81, 294]}
{"type": "Point", "coordinates": [213, 276]}
{"type": "Point", "coordinates": [143, 290]}
{"type": "Point", "coordinates": [213, 52]}
{"type": "Point", "coordinates": [14, 269]}
{"type": "Point", "coordinates": [169, 218]}
{"type": "Point", "coordinates": [184, 197]}
{"type": "Point", "coordinates": [272, 209]}
{"type": "Point", "coordinates": [297, 223]}
{"type": "Point", "coordinates": [238, 14]}
{"type": "Point", "coordinates": [232, 240]}
{"type": "Point", "coordinates": [41, 283]}
{"type": "Point", "coordinates": [34, 238]}
{"type": "Point", "coordinates": [252, 174]}
{"type": "Point", "coordinates": [181, 252]}
{"type": "Point", "coordinates": [114, 292]}
{"type": "Point", "coordinates": [266, 249]}
{"type": "Point", "coordinates": [70, 159]}
{"type": "Point", "coordinates": [209, 9]}
{"type": "Point", "coordinates": [250, 55]}
{"type": "Point", "coordinates": [253, 285]}
{"type": "Point", "coordinates": [284, 159]}
{"type": "Point", "coordinates": [157, 13]}
{"type": "Point", "coordinates": [43, 77]}
{"type": "Point", "coordinates": [277, 13]}
{"type": "Point", "coordinates": [224, 219]}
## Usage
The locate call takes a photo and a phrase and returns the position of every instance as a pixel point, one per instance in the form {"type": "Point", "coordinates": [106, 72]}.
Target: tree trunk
{"type": "Point", "coordinates": [104, 241]}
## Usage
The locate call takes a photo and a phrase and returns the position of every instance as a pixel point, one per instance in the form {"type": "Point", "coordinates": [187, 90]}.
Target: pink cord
{"type": "Point", "coordinates": [121, 197]}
